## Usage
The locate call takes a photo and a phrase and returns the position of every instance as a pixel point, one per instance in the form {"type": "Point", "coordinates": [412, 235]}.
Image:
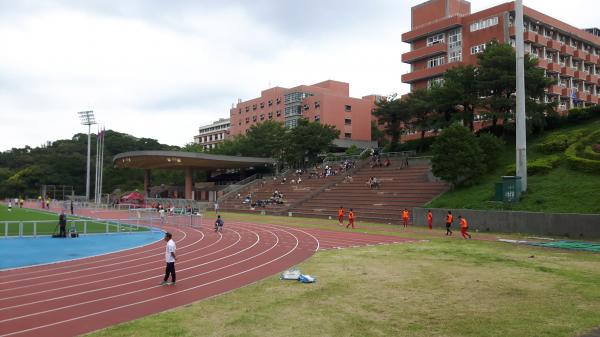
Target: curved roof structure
{"type": "Point", "coordinates": [180, 160]}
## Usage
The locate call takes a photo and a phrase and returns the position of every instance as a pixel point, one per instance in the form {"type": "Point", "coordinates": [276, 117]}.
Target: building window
{"type": "Point", "coordinates": [254, 106]}
{"type": "Point", "coordinates": [239, 111]}
{"type": "Point", "coordinates": [278, 100]}
{"type": "Point", "coordinates": [347, 108]}
{"type": "Point", "coordinates": [254, 118]}
{"type": "Point", "coordinates": [247, 108]}
{"type": "Point", "coordinates": [262, 117]}
{"type": "Point", "coordinates": [455, 38]}
{"type": "Point", "coordinates": [435, 39]}
{"type": "Point", "coordinates": [317, 119]}
{"type": "Point", "coordinates": [455, 56]}
{"type": "Point", "coordinates": [271, 115]}
{"type": "Point", "coordinates": [347, 135]}
{"type": "Point", "coordinates": [270, 102]}
{"type": "Point", "coordinates": [348, 121]}
{"type": "Point", "coordinates": [478, 49]}
{"type": "Point", "coordinates": [317, 104]}
{"type": "Point", "coordinates": [435, 61]}
{"type": "Point", "coordinates": [278, 113]}
{"type": "Point", "coordinates": [437, 81]}
{"type": "Point", "coordinates": [306, 107]}
{"type": "Point", "coordinates": [262, 105]}
{"type": "Point", "coordinates": [247, 120]}
{"type": "Point", "coordinates": [240, 122]}
{"type": "Point", "coordinates": [483, 24]}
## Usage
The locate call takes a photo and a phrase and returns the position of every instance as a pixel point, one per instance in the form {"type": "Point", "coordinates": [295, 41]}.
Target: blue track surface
{"type": "Point", "coordinates": [21, 252]}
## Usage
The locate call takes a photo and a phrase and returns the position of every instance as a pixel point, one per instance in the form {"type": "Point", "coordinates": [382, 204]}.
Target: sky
{"type": "Point", "coordinates": [161, 69]}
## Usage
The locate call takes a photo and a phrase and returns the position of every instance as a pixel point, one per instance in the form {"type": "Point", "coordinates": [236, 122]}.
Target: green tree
{"type": "Point", "coordinates": [307, 140]}
{"type": "Point", "coordinates": [457, 157]}
{"type": "Point", "coordinates": [459, 93]}
{"type": "Point", "coordinates": [423, 116]}
{"type": "Point", "coordinates": [492, 147]}
{"type": "Point", "coordinates": [496, 75]}
{"type": "Point", "coordinates": [378, 135]}
{"type": "Point", "coordinates": [395, 114]}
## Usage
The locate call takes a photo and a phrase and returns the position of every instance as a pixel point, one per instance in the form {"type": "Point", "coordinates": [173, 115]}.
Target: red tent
{"type": "Point", "coordinates": [133, 196]}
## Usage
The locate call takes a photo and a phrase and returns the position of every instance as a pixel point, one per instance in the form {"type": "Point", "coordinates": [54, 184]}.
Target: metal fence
{"type": "Point", "coordinates": [80, 226]}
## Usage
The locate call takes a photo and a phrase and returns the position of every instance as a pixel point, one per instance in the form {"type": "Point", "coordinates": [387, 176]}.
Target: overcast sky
{"type": "Point", "coordinates": [161, 69]}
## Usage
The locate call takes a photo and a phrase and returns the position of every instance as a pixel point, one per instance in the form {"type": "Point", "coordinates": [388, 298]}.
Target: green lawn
{"type": "Point", "coordinates": [561, 190]}
{"type": "Point", "coordinates": [46, 222]}
{"type": "Point", "coordinates": [440, 287]}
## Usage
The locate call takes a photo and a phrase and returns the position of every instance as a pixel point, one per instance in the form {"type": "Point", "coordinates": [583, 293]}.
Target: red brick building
{"type": "Point", "coordinates": [326, 102]}
{"type": "Point", "coordinates": [444, 34]}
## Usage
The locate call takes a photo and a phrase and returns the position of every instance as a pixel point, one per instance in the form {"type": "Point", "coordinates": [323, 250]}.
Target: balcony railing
{"type": "Point", "coordinates": [426, 73]}
{"type": "Point", "coordinates": [553, 44]}
{"type": "Point", "coordinates": [580, 75]}
{"type": "Point", "coordinates": [566, 49]}
{"type": "Point", "coordinates": [580, 54]}
{"type": "Point", "coordinates": [554, 67]}
{"type": "Point", "coordinates": [421, 53]}
{"type": "Point", "coordinates": [591, 58]}
{"type": "Point", "coordinates": [566, 71]}
{"type": "Point", "coordinates": [554, 90]}
{"type": "Point", "coordinates": [592, 79]}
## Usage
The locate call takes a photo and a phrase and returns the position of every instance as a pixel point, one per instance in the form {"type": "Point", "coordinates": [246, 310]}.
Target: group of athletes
{"type": "Point", "coordinates": [464, 224]}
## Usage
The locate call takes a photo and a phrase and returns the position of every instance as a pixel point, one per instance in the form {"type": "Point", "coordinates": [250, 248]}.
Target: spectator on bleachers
{"type": "Point", "coordinates": [299, 180]}
{"type": "Point", "coordinates": [387, 162]}
{"type": "Point", "coordinates": [283, 181]}
{"type": "Point", "coordinates": [348, 179]}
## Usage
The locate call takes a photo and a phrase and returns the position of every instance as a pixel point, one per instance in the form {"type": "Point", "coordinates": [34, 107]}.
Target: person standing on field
{"type": "Point", "coordinates": [449, 219]}
{"type": "Point", "coordinates": [464, 226]}
{"type": "Point", "coordinates": [170, 259]}
{"type": "Point", "coordinates": [341, 215]}
{"type": "Point", "coordinates": [430, 219]}
{"type": "Point", "coordinates": [350, 219]}
{"type": "Point", "coordinates": [405, 217]}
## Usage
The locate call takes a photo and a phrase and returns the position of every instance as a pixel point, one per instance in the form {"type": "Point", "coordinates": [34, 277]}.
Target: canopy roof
{"type": "Point", "coordinates": [133, 196]}
{"type": "Point", "coordinates": [180, 160]}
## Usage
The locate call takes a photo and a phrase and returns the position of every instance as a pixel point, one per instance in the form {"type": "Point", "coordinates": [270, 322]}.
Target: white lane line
{"type": "Point", "coordinates": [121, 276]}
{"type": "Point", "coordinates": [87, 269]}
{"type": "Point", "coordinates": [158, 286]}
{"type": "Point", "coordinates": [155, 298]}
{"type": "Point", "coordinates": [21, 279]}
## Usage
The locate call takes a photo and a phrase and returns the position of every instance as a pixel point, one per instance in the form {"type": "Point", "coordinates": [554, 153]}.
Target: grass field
{"type": "Point", "coordinates": [561, 190]}
{"type": "Point", "coordinates": [46, 222]}
{"type": "Point", "coordinates": [441, 287]}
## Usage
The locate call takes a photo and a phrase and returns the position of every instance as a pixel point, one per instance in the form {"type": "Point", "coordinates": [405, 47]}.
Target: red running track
{"type": "Point", "coordinates": [75, 297]}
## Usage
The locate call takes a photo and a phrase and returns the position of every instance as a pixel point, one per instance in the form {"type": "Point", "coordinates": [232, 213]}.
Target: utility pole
{"type": "Point", "coordinates": [87, 118]}
{"type": "Point", "coordinates": [520, 115]}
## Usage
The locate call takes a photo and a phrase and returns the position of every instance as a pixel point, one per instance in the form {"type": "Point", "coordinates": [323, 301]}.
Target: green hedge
{"type": "Point", "coordinates": [581, 164]}
{"type": "Point", "coordinates": [559, 142]}
{"type": "Point", "coordinates": [589, 153]}
{"type": "Point", "coordinates": [539, 166]}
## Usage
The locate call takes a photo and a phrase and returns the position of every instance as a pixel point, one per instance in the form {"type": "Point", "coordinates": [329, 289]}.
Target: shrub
{"type": "Point", "coordinates": [457, 155]}
{"type": "Point", "coordinates": [590, 153]}
{"type": "Point", "coordinates": [559, 142]}
{"type": "Point", "coordinates": [414, 145]}
{"type": "Point", "coordinates": [492, 147]}
{"type": "Point", "coordinates": [538, 166]}
{"type": "Point", "coordinates": [597, 148]}
{"type": "Point", "coordinates": [578, 163]}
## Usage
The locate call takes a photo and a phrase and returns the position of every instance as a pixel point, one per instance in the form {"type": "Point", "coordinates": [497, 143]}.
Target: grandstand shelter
{"type": "Point", "coordinates": [186, 161]}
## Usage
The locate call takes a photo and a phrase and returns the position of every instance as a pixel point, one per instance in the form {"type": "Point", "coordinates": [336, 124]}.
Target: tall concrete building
{"type": "Point", "coordinates": [327, 102]}
{"type": "Point", "coordinates": [444, 34]}
{"type": "Point", "coordinates": [211, 135]}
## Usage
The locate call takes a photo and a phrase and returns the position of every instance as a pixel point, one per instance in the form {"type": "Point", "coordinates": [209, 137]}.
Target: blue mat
{"type": "Point", "coordinates": [29, 251]}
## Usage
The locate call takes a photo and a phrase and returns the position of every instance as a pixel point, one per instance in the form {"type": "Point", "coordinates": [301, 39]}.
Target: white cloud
{"type": "Point", "coordinates": [161, 70]}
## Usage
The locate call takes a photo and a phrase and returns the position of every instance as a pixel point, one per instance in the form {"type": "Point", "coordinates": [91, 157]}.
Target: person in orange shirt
{"type": "Point", "coordinates": [341, 215]}
{"type": "Point", "coordinates": [464, 225]}
{"type": "Point", "coordinates": [350, 219]}
{"type": "Point", "coordinates": [449, 219]}
{"type": "Point", "coordinates": [430, 219]}
{"type": "Point", "coordinates": [405, 217]}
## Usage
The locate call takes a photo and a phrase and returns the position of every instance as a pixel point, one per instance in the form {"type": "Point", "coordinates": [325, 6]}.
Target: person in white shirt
{"type": "Point", "coordinates": [9, 206]}
{"type": "Point", "coordinates": [170, 258]}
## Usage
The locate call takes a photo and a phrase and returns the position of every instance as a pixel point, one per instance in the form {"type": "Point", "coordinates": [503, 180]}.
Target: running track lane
{"type": "Point", "coordinates": [75, 297]}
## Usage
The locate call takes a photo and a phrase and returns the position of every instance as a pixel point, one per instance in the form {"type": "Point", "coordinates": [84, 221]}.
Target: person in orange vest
{"type": "Point", "coordinates": [429, 219]}
{"type": "Point", "coordinates": [449, 219]}
{"type": "Point", "coordinates": [350, 219]}
{"type": "Point", "coordinates": [464, 225]}
{"type": "Point", "coordinates": [405, 217]}
{"type": "Point", "coordinates": [341, 215]}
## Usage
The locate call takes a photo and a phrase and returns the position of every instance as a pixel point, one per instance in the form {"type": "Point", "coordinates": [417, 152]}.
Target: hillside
{"type": "Point", "coordinates": [562, 189]}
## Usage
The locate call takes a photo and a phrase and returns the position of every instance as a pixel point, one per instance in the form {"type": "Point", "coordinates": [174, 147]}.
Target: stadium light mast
{"type": "Point", "coordinates": [87, 118]}
{"type": "Point", "coordinates": [520, 116]}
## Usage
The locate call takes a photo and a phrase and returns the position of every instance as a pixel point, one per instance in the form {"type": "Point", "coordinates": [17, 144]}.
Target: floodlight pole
{"type": "Point", "coordinates": [520, 115]}
{"type": "Point", "coordinates": [87, 118]}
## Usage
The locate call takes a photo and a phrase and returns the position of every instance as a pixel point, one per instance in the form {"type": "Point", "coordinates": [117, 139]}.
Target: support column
{"type": "Point", "coordinates": [147, 174]}
{"type": "Point", "coordinates": [188, 183]}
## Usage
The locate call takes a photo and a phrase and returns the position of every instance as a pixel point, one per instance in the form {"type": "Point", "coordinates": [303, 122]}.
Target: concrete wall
{"type": "Point", "coordinates": [557, 224]}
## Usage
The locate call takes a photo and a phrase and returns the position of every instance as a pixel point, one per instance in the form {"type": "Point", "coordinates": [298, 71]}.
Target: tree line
{"type": "Point", "coordinates": [466, 91]}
